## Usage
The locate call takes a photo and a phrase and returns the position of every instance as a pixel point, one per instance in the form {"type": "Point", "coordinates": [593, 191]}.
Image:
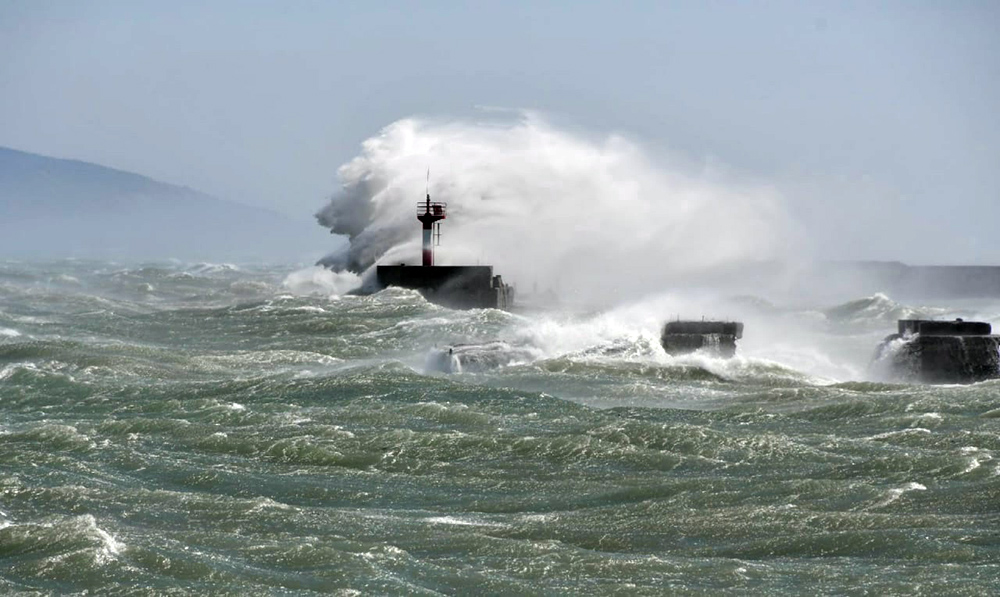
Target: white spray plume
{"type": "Point", "coordinates": [319, 281]}
{"type": "Point", "coordinates": [551, 209]}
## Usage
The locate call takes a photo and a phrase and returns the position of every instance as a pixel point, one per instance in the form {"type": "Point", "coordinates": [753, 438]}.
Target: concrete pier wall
{"type": "Point", "coordinates": [455, 286]}
{"type": "Point", "coordinates": [930, 351]}
{"type": "Point", "coordinates": [715, 337]}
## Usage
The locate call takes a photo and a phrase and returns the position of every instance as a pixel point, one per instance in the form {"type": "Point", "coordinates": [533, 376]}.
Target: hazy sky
{"type": "Point", "coordinates": [877, 120]}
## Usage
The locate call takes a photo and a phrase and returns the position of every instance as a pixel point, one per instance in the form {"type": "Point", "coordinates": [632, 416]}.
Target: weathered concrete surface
{"type": "Point", "coordinates": [941, 352]}
{"type": "Point", "coordinates": [930, 327]}
{"type": "Point", "coordinates": [716, 337]}
{"type": "Point", "coordinates": [455, 286]}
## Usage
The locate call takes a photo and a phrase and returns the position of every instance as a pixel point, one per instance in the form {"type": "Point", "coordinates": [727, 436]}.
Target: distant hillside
{"type": "Point", "coordinates": [54, 208]}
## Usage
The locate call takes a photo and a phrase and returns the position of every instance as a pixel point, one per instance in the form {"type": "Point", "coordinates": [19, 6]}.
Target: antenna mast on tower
{"type": "Point", "coordinates": [430, 217]}
{"type": "Point", "coordinates": [436, 235]}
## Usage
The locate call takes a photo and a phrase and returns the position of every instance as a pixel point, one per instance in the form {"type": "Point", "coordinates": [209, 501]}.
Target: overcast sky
{"type": "Point", "coordinates": [877, 120]}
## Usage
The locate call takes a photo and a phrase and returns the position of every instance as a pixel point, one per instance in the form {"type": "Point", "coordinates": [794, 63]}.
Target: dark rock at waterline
{"type": "Point", "coordinates": [931, 351]}
{"type": "Point", "coordinates": [715, 337]}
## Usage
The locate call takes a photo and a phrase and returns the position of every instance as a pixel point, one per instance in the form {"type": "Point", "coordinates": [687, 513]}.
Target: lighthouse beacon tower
{"type": "Point", "coordinates": [456, 286]}
{"type": "Point", "coordinates": [430, 216]}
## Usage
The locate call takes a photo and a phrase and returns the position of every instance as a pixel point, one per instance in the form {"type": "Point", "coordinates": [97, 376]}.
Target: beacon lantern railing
{"type": "Point", "coordinates": [435, 208]}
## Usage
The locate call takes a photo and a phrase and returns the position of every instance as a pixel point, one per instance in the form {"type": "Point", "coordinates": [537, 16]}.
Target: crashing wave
{"type": "Point", "coordinates": [575, 206]}
{"type": "Point", "coordinates": [878, 309]}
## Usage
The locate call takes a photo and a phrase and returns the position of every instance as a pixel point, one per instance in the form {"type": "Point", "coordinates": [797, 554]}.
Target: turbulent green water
{"type": "Point", "coordinates": [206, 429]}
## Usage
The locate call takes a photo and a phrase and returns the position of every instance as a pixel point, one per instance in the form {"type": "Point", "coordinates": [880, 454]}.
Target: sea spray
{"type": "Point", "coordinates": [320, 281]}
{"type": "Point", "coordinates": [588, 218]}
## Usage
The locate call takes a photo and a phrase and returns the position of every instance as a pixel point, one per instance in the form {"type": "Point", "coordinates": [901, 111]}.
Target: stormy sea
{"type": "Point", "coordinates": [179, 428]}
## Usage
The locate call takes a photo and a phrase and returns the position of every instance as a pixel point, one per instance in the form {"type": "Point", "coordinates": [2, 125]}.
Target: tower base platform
{"type": "Point", "coordinates": [454, 286]}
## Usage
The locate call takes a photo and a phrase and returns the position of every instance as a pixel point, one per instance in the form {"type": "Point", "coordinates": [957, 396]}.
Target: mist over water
{"type": "Point", "coordinates": [592, 218]}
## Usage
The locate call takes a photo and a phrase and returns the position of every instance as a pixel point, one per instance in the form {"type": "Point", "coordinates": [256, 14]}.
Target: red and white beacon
{"type": "Point", "coordinates": [429, 215]}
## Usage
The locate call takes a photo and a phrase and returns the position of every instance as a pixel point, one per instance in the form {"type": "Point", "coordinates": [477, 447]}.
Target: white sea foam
{"type": "Point", "coordinates": [213, 268]}
{"type": "Point", "coordinates": [110, 546]}
{"type": "Point", "coordinates": [975, 458]}
{"type": "Point", "coordinates": [455, 521]}
{"type": "Point", "coordinates": [9, 370]}
{"type": "Point", "coordinates": [263, 503]}
{"type": "Point", "coordinates": [895, 493]}
{"type": "Point", "coordinates": [9, 332]}
{"type": "Point", "coordinates": [973, 464]}
{"type": "Point", "coordinates": [67, 279]}
{"type": "Point", "coordinates": [107, 546]}
{"type": "Point", "coordinates": [320, 281]}
{"type": "Point", "coordinates": [775, 347]}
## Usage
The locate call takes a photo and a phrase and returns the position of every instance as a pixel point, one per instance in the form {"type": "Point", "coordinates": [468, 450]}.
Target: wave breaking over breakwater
{"type": "Point", "coordinates": [549, 207]}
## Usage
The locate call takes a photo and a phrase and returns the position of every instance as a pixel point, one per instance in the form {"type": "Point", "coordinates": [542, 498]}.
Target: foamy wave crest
{"type": "Point", "coordinates": [319, 281]}
{"type": "Point", "coordinates": [548, 206]}
{"type": "Point", "coordinates": [879, 309]}
{"type": "Point", "coordinates": [213, 268]}
{"type": "Point", "coordinates": [56, 541]}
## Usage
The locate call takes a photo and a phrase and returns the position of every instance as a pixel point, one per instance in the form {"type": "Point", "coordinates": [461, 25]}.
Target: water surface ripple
{"type": "Point", "coordinates": [203, 429]}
